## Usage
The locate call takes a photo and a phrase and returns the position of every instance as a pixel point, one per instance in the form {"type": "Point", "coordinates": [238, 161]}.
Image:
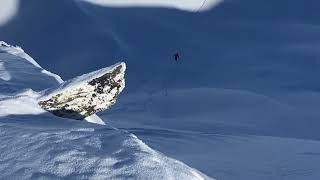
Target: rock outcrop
{"type": "Point", "coordinates": [86, 95]}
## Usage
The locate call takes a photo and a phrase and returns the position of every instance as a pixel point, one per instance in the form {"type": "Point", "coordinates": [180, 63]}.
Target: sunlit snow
{"type": "Point", "coordinates": [186, 5]}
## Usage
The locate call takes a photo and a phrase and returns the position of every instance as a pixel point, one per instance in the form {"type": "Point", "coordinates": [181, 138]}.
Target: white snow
{"type": "Point", "coordinates": [186, 5]}
{"type": "Point", "coordinates": [95, 119]}
{"type": "Point", "coordinates": [229, 134]}
{"type": "Point", "coordinates": [35, 144]}
{"type": "Point", "coordinates": [4, 75]}
{"type": "Point", "coordinates": [18, 71]}
{"type": "Point", "coordinates": [233, 157]}
{"type": "Point", "coordinates": [18, 51]}
{"type": "Point", "coordinates": [20, 104]}
{"type": "Point", "coordinates": [241, 104]}
{"type": "Point", "coordinates": [83, 153]}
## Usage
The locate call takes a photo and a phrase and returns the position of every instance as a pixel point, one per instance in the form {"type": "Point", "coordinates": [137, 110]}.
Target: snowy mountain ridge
{"type": "Point", "coordinates": [18, 51]}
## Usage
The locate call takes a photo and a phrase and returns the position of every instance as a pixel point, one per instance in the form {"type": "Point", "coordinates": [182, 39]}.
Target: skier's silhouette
{"type": "Point", "coordinates": [176, 56]}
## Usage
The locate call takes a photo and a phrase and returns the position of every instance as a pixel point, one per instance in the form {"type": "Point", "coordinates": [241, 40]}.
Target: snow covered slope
{"type": "Point", "coordinates": [18, 71]}
{"type": "Point", "coordinates": [248, 75]}
{"type": "Point", "coordinates": [238, 157]}
{"type": "Point", "coordinates": [35, 144]}
{"type": "Point", "coordinates": [81, 152]}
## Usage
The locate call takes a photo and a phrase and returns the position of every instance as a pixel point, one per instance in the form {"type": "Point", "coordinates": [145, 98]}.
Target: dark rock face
{"type": "Point", "coordinates": [89, 97]}
{"type": "Point", "coordinates": [107, 80]}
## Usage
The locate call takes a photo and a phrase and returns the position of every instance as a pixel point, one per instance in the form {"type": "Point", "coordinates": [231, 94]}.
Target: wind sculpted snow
{"type": "Point", "coordinates": [18, 71]}
{"type": "Point", "coordinates": [82, 153]}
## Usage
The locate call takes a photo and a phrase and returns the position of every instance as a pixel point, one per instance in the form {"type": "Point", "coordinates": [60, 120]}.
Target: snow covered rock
{"type": "Point", "coordinates": [84, 96]}
{"type": "Point", "coordinates": [77, 98]}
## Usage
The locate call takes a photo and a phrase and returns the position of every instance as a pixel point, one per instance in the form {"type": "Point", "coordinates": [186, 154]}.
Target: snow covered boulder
{"type": "Point", "coordinates": [77, 98]}
{"type": "Point", "coordinates": [86, 95]}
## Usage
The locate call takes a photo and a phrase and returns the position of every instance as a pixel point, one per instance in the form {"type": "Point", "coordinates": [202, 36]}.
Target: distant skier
{"type": "Point", "coordinates": [176, 56]}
